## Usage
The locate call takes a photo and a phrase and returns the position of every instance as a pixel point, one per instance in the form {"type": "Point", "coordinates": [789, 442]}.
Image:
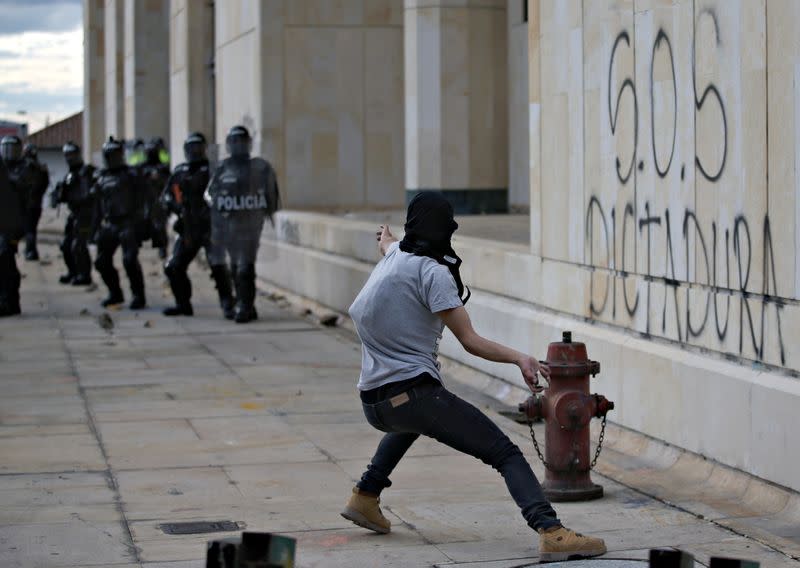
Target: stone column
{"type": "Point", "coordinates": [456, 102]}
{"type": "Point", "coordinates": [94, 88]}
{"type": "Point", "coordinates": [191, 72]}
{"type": "Point", "coordinates": [114, 65]}
{"type": "Point", "coordinates": [147, 69]}
{"type": "Point", "coordinates": [518, 125]}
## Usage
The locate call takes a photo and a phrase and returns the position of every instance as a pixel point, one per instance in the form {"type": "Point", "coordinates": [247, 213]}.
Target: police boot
{"type": "Point", "coordinates": [9, 286]}
{"type": "Point", "coordinates": [69, 260]}
{"type": "Point", "coordinates": [9, 302]}
{"type": "Point", "coordinates": [138, 302]}
{"type": "Point", "coordinates": [222, 280]}
{"type": "Point", "coordinates": [30, 247]}
{"type": "Point", "coordinates": [137, 289]}
{"type": "Point", "coordinates": [114, 297]}
{"type": "Point", "coordinates": [82, 280]}
{"type": "Point", "coordinates": [7, 310]}
{"type": "Point", "coordinates": [245, 311]}
{"type": "Point", "coordinates": [136, 279]}
{"type": "Point", "coordinates": [110, 278]}
{"type": "Point", "coordinates": [181, 289]}
{"type": "Point", "coordinates": [83, 265]}
{"type": "Point", "coordinates": [245, 294]}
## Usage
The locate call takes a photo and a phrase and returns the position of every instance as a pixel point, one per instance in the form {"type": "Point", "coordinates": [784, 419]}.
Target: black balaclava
{"type": "Point", "coordinates": [429, 228]}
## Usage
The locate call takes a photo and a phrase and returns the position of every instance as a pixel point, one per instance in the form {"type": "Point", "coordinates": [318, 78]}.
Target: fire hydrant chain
{"type": "Point", "coordinates": [599, 442]}
{"type": "Point", "coordinates": [597, 450]}
{"type": "Point", "coordinates": [536, 445]}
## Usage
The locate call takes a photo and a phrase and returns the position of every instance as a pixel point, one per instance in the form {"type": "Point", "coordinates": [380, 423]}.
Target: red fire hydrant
{"type": "Point", "coordinates": [567, 408]}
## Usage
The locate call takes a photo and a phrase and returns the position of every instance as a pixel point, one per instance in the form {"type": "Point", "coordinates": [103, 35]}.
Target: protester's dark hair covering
{"type": "Point", "coordinates": [429, 228]}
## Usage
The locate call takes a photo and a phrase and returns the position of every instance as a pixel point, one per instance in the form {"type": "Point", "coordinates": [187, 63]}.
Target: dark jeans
{"type": "Point", "coordinates": [429, 409]}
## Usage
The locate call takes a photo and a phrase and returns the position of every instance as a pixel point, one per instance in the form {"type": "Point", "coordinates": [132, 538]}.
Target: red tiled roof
{"type": "Point", "coordinates": [58, 133]}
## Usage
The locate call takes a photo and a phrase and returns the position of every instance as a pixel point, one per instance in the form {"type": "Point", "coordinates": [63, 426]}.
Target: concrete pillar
{"type": "Point", "coordinates": [147, 68]}
{"type": "Point", "coordinates": [518, 124]}
{"type": "Point", "coordinates": [114, 65]}
{"type": "Point", "coordinates": [191, 83]}
{"type": "Point", "coordinates": [456, 103]}
{"type": "Point", "coordinates": [94, 88]}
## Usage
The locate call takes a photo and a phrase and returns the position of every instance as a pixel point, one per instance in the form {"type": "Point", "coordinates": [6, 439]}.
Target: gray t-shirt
{"type": "Point", "coordinates": [395, 316]}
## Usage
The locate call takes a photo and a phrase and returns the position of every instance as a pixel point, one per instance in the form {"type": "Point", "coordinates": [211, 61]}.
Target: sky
{"type": "Point", "coordinates": [41, 60]}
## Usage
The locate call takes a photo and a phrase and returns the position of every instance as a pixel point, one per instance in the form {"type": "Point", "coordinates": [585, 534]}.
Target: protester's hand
{"type": "Point", "coordinates": [385, 238]}
{"type": "Point", "coordinates": [531, 369]}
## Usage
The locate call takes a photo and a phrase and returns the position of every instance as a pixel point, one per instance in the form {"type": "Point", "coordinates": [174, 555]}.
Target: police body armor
{"type": "Point", "coordinates": [76, 188]}
{"type": "Point", "coordinates": [183, 196]}
{"type": "Point", "coordinates": [116, 191]}
{"type": "Point", "coordinates": [241, 195]}
{"type": "Point", "coordinates": [40, 179]}
{"type": "Point", "coordinates": [154, 178]}
{"type": "Point", "coordinates": [22, 177]}
{"type": "Point", "coordinates": [14, 201]}
{"type": "Point", "coordinates": [76, 192]}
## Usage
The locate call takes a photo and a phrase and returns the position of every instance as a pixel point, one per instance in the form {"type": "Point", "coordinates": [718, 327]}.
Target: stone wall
{"type": "Point", "coordinates": [320, 86]}
{"type": "Point", "coordinates": [665, 197]}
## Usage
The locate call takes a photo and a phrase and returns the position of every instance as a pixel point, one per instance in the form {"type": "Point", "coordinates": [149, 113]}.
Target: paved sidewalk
{"type": "Point", "coordinates": [107, 433]}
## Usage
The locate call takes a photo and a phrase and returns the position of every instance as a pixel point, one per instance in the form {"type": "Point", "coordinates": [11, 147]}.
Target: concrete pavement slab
{"type": "Point", "coordinates": [56, 544]}
{"type": "Point", "coordinates": [67, 452]}
{"type": "Point", "coordinates": [57, 498]}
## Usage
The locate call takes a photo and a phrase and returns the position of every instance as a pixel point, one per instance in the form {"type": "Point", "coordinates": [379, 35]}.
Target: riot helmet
{"type": "Point", "coordinates": [113, 153]}
{"type": "Point", "coordinates": [194, 148]}
{"type": "Point", "coordinates": [238, 142]}
{"type": "Point", "coordinates": [72, 154]}
{"type": "Point", "coordinates": [11, 149]}
{"type": "Point", "coordinates": [30, 151]}
{"type": "Point", "coordinates": [151, 151]}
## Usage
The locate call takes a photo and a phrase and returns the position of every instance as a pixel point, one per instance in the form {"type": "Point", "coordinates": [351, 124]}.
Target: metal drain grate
{"type": "Point", "coordinates": [199, 527]}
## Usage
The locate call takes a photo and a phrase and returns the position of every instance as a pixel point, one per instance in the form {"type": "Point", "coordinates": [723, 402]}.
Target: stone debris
{"type": "Point", "coordinates": [329, 320]}
{"type": "Point", "coordinates": [105, 321]}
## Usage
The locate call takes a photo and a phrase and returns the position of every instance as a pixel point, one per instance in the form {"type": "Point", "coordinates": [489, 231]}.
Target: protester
{"type": "Point", "coordinates": [400, 313]}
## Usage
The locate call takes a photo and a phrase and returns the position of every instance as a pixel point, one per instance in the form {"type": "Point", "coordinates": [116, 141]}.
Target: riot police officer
{"type": "Point", "coordinates": [183, 196]}
{"type": "Point", "coordinates": [75, 191]}
{"type": "Point", "coordinates": [242, 193]}
{"type": "Point", "coordinates": [14, 199]}
{"type": "Point", "coordinates": [119, 211]}
{"type": "Point", "coordinates": [22, 177]}
{"type": "Point", "coordinates": [154, 175]}
{"type": "Point", "coordinates": [40, 180]}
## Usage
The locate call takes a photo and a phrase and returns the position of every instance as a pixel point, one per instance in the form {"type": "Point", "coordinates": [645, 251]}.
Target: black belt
{"type": "Point", "coordinates": [383, 392]}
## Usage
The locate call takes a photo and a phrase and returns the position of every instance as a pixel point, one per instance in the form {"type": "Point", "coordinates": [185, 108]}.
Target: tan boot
{"type": "Point", "coordinates": [564, 544]}
{"type": "Point", "coordinates": [364, 510]}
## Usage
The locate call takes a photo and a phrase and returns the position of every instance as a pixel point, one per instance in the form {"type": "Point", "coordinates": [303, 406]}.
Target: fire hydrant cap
{"type": "Point", "coordinates": [569, 358]}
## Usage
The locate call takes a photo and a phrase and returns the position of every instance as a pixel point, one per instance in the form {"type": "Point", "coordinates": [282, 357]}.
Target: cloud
{"type": "Point", "coordinates": [42, 62]}
{"type": "Point", "coordinates": [39, 15]}
{"type": "Point", "coordinates": [42, 74]}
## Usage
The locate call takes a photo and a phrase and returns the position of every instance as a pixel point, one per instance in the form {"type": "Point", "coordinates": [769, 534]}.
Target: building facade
{"type": "Point", "coordinates": [651, 147]}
